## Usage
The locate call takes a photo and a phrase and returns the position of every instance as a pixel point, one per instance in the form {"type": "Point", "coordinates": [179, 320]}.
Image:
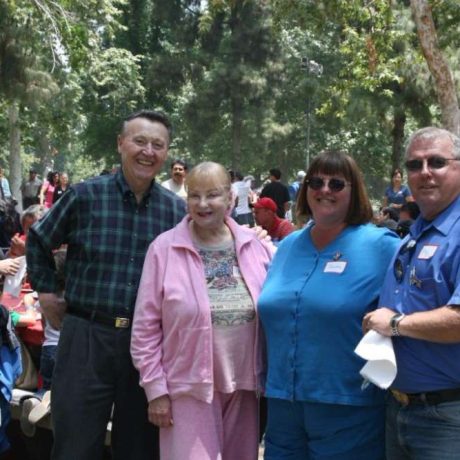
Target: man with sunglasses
{"type": "Point", "coordinates": [420, 308]}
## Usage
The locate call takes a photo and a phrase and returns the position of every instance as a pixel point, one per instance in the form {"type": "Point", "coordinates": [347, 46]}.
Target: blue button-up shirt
{"type": "Point", "coordinates": [312, 306]}
{"type": "Point", "coordinates": [429, 277]}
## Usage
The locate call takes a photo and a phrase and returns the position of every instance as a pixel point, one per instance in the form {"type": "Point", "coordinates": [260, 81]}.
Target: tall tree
{"type": "Point", "coordinates": [438, 65]}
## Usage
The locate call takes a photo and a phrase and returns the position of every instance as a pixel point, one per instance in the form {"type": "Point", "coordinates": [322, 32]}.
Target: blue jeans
{"type": "Point", "coordinates": [301, 430]}
{"type": "Point", "coordinates": [5, 412]}
{"type": "Point", "coordinates": [422, 432]}
{"type": "Point", "coordinates": [245, 219]}
{"type": "Point", "coordinates": [47, 360]}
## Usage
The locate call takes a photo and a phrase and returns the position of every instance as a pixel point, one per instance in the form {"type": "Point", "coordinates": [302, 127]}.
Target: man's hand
{"type": "Point", "coordinates": [160, 413]}
{"type": "Point", "coordinates": [53, 307]}
{"type": "Point", "coordinates": [378, 320]}
{"type": "Point", "coordinates": [9, 266]}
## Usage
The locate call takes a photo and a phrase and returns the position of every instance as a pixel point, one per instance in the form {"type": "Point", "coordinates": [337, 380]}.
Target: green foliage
{"type": "Point", "coordinates": [232, 75]}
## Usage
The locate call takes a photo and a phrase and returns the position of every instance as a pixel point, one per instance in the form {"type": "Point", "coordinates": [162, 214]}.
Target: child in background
{"type": "Point", "coordinates": [39, 405]}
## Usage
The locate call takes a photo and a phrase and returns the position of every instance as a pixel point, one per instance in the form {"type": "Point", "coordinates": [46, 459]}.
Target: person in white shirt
{"type": "Point", "coordinates": [177, 182]}
{"type": "Point", "coordinates": [242, 191]}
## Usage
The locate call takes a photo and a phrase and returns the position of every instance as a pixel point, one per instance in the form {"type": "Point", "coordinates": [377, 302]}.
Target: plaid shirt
{"type": "Point", "coordinates": [107, 234]}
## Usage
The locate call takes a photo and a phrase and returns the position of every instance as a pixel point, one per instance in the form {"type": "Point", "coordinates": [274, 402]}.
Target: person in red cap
{"type": "Point", "coordinates": [265, 216]}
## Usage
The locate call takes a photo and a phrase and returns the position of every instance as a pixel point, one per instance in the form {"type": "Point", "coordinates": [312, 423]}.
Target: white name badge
{"type": "Point", "coordinates": [427, 251]}
{"type": "Point", "coordinates": [335, 266]}
{"type": "Point", "coordinates": [236, 271]}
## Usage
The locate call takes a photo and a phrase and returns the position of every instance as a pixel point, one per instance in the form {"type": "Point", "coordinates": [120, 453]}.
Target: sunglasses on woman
{"type": "Point", "coordinates": [433, 162]}
{"type": "Point", "coordinates": [334, 184]}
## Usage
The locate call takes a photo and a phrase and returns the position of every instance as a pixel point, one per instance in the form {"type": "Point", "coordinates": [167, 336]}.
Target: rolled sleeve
{"type": "Point", "coordinates": [45, 235]}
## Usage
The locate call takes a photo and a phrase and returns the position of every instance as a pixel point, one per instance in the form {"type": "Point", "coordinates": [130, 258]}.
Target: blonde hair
{"type": "Point", "coordinates": [209, 172]}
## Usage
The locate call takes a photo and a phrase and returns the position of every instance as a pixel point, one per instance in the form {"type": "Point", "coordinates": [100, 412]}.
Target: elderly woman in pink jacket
{"type": "Point", "coordinates": [196, 335]}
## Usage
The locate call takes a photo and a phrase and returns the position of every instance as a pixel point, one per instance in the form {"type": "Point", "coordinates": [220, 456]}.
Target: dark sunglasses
{"type": "Point", "coordinates": [434, 162]}
{"type": "Point", "coordinates": [405, 253]}
{"type": "Point", "coordinates": [334, 184]}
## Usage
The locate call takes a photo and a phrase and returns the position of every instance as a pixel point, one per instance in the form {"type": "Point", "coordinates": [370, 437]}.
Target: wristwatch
{"type": "Point", "coordinates": [394, 323]}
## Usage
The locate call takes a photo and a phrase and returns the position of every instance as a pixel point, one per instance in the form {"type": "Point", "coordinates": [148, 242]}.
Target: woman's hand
{"type": "Point", "coordinates": [160, 412]}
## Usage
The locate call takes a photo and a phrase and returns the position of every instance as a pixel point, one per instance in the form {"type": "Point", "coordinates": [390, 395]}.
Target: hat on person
{"type": "Point", "coordinates": [266, 203]}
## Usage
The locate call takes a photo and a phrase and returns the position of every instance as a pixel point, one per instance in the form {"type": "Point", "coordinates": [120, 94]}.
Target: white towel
{"type": "Point", "coordinates": [380, 368]}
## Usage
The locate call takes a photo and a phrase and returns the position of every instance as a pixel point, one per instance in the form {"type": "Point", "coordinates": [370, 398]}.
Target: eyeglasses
{"type": "Point", "coordinates": [334, 184]}
{"type": "Point", "coordinates": [405, 253]}
{"type": "Point", "coordinates": [434, 162]}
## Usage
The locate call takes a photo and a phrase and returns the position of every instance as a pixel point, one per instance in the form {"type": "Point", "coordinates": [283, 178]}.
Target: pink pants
{"type": "Point", "coordinates": [226, 429]}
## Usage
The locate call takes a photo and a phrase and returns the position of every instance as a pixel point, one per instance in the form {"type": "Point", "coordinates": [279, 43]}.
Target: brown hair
{"type": "Point", "coordinates": [334, 163]}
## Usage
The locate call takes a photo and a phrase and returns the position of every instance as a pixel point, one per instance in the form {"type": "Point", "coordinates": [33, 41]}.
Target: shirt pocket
{"type": "Point", "coordinates": [192, 363]}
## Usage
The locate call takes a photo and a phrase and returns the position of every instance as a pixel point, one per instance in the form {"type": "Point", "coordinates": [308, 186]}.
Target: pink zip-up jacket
{"type": "Point", "coordinates": [171, 341]}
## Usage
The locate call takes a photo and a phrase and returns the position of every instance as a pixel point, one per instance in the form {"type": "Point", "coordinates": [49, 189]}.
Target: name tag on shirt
{"type": "Point", "coordinates": [335, 266]}
{"type": "Point", "coordinates": [427, 251]}
{"type": "Point", "coordinates": [236, 271]}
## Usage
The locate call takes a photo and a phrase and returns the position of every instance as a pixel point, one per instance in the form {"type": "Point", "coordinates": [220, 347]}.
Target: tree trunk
{"type": "Point", "coordinates": [15, 176]}
{"type": "Point", "coordinates": [46, 160]}
{"type": "Point", "coordinates": [439, 68]}
{"type": "Point", "coordinates": [399, 123]}
{"type": "Point", "coordinates": [237, 128]}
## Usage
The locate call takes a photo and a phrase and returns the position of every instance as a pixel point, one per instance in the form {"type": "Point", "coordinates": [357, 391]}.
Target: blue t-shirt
{"type": "Point", "coordinates": [431, 279]}
{"type": "Point", "coordinates": [312, 306]}
{"type": "Point", "coordinates": [398, 197]}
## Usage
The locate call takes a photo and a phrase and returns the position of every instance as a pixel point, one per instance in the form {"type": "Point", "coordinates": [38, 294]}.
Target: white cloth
{"type": "Point", "coordinates": [380, 368]}
{"type": "Point", "coordinates": [241, 190]}
{"type": "Point", "coordinates": [178, 189]}
{"type": "Point", "coordinates": [13, 283]}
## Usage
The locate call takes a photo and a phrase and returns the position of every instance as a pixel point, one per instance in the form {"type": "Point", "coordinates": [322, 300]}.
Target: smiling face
{"type": "Point", "coordinates": [64, 179]}
{"type": "Point", "coordinates": [209, 195]}
{"type": "Point", "coordinates": [329, 208]}
{"type": "Point", "coordinates": [143, 146]}
{"type": "Point", "coordinates": [433, 189]}
{"type": "Point", "coordinates": [397, 179]}
{"type": "Point", "coordinates": [178, 173]}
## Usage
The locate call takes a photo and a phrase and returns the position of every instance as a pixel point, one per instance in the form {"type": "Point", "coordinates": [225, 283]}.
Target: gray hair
{"type": "Point", "coordinates": [34, 211]}
{"type": "Point", "coordinates": [433, 132]}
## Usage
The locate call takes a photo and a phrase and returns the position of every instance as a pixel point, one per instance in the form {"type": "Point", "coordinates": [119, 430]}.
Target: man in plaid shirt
{"type": "Point", "coordinates": [107, 223]}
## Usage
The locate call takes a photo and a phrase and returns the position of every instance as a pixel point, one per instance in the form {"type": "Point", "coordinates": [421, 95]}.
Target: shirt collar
{"type": "Point", "coordinates": [124, 186]}
{"type": "Point", "coordinates": [443, 222]}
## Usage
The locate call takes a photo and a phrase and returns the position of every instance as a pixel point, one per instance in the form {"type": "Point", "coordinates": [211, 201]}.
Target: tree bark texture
{"type": "Point", "coordinates": [15, 175]}
{"type": "Point", "coordinates": [399, 123]}
{"type": "Point", "coordinates": [439, 67]}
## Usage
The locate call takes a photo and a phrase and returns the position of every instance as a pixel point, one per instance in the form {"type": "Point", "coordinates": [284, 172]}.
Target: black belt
{"type": "Point", "coordinates": [101, 317]}
{"type": "Point", "coordinates": [431, 397]}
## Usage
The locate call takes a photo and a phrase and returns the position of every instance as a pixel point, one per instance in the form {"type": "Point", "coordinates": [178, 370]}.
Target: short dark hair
{"type": "Point", "coordinates": [152, 115]}
{"type": "Point", "coordinates": [332, 162]}
{"type": "Point", "coordinates": [238, 175]}
{"type": "Point", "coordinates": [397, 171]}
{"type": "Point", "coordinates": [276, 173]}
{"type": "Point", "coordinates": [391, 213]}
{"type": "Point", "coordinates": [411, 208]}
{"type": "Point", "coordinates": [178, 161]}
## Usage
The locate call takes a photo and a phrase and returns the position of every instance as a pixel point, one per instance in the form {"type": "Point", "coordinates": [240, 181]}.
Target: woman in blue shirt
{"type": "Point", "coordinates": [322, 281]}
{"type": "Point", "coordinates": [397, 194]}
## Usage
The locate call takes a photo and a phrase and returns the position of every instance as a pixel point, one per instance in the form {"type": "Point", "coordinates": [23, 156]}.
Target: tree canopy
{"type": "Point", "coordinates": [252, 84]}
